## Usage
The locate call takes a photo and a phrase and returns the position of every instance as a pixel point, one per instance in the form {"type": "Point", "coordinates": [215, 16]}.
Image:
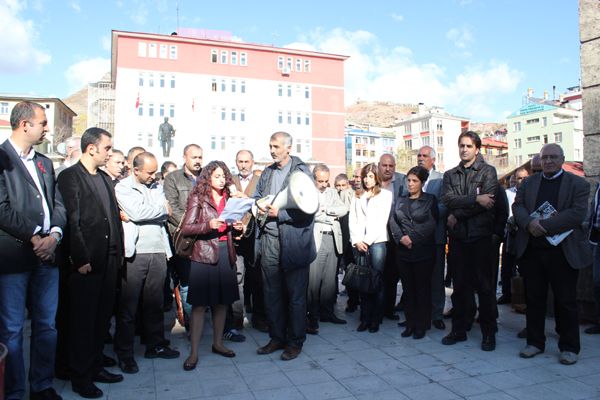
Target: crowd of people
{"type": "Point", "coordinates": [93, 242]}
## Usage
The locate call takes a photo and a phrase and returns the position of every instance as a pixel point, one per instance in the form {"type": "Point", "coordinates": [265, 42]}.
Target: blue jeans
{"type": "Point", "coordinates": [38, 290]}
{"type": "Point", "coordinates": [371, 305]}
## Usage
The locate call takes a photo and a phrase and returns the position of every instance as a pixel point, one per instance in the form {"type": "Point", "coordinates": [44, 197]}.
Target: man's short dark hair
{"type": "Point", "coordinates": [23, 111]}
{"type": "Point", "coordinates": [165, 166]}
{"type": "Point", "coordinates": [190, 146]}
{"type": "Point", "coordinates": [133, 150]}
{"type": "Point", "coordinates": [92, 136]}
{"type": "Point", "coordinates": [341, 177]}
{"type": "Point", "coordinates": [141, 158]}
{"type": "Point", "coordinates": [115, 151]}
{"type": "Point", "coordinates": [473, 136]}
{"type": "Point", "coordinates": [318, 168]}
{"type": "Point", "coordinates": [244, 151]}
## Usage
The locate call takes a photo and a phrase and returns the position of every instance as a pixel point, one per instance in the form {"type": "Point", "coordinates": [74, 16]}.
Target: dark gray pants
{"type": "Point", "coordinates": [322, 280]}
{"type": "Point", "coordinates": [285, 295]}
{"type": "Point", "coordinates": [438, 290]}
{"type": "Point", "coordinates": [144, 277]}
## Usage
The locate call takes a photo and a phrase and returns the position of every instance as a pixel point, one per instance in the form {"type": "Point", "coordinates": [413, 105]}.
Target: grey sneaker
{"type": "Point", "coordinates": [530, 351]}
{"type": "Point", "coordinates": [568, 358]}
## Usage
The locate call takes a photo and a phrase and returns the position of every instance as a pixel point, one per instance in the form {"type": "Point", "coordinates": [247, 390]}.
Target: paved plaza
{"type": "Point", "coordinates": [340, 363]}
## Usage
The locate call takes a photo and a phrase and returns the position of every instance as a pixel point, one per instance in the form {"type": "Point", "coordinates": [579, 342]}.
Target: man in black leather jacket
{"type": "Point", "coordinates": [469, 194]}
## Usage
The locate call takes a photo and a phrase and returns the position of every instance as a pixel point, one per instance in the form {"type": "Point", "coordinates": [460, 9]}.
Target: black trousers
{"type": "Point", "coordinates": [543, 266]}
{"type": "Point", "coordinates": [473, 272]}
{"type": "Point", "coordinates": [91, 299]}
{"type": "Point", "coordinates": [143, 280]}
{"type": "Point", "coordinates": [416, 287]}
{"type": "Point", "coordinates": [509, 264]}
{"type": "Point", "coordinates": [390, 280]}
{"type": "Point", "coordinates": [253, 285]}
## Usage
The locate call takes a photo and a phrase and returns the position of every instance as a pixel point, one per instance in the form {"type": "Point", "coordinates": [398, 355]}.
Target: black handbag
{"type": "Point", "coordinates": [358, 276]}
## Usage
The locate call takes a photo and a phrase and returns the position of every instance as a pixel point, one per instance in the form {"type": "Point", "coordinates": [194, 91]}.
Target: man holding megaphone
{"type": "Point", "coordinates": [285, 245]}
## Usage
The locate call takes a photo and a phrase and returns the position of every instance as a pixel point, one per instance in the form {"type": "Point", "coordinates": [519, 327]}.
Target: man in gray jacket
{"type": "Point", "coordinates": [328, 239]}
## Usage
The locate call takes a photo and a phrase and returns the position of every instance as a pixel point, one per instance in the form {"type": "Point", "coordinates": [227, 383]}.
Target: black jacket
{"type": "Point", "coordinates": [417, 219]}
{"type": "Point", "coordinates": [459, 193]}
{"type": "Point", "coordinates": [87, 233]}
{"type": "Point", "coordinates": [21, 208]}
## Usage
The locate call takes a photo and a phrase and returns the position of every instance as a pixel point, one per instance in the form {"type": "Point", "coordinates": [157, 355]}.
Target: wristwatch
{"type": "Point", "coordinates": [56, 236]}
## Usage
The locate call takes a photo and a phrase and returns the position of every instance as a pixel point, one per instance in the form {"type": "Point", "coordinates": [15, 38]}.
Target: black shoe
{"type": "Point", "coordinates": [402, 323]}
{"type": "Point", "coordinates": [407, 332]}
{"type": "Point", "coordinates": [488, 343]}
{"type": "Point", "coordinates": [419, 334]}
{"type": "Point", "coordinates": [504, 299]}
{"type": "Point", "coordinates": [46, 394]}
{"type": "Point", "coordinates": [334, 320]}
{"type": "Point", "coordinates": [88, 391]}
{"type": "Point", "coordinates": [290, 353]}
{"type": "Point", "coordinates": [128, 366]}
{"type": "Point", "coordinates": [161, 352]}
{"type": "Point", "coordinates": [106, 377]}
{"type": "Point", "coordinates": [108, 362]}
{"type": "Point", "coordinates": [374, 328]}
{"type": "Point", "coordinates": [522, 334]}
{"type": "Point", "coordinates": [453, 338]}
{"type": "Point", "coordinates": [392, 316]}
{"type": "Point", "coordinates": [270, 347]}
{"type": "Point", "coordinates": [312, 330]}
{"type": "Point", "coordinates": [438, 324]}
{"type": "Point", "coordinates": [63, 374]}
{"type": "Point", "coordinates": [362, 327]}
{"type": "Point", "coordinates": [350, 308]}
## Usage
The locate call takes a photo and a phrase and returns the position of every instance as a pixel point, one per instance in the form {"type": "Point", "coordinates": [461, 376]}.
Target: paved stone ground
{"type": "Point", "coordinates": [341, 363]}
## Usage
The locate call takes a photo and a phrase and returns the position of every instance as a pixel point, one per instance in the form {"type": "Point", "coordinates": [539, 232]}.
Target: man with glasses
{"type": "Point", "coordinates": [551, 248]}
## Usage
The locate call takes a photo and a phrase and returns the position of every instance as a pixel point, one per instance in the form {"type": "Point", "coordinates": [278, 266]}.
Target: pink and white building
{"type": "Point", "coordinates": [226, 96]}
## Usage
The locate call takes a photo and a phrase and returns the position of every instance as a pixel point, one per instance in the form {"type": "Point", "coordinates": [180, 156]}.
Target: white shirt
{"type": "Point", "coordinates": [244, 182]}
{"type": "Point", "coordinates": [369, 219]}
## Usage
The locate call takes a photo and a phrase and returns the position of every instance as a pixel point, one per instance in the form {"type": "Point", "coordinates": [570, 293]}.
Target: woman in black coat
{"type": "Point", "coordinates": [412, 223]}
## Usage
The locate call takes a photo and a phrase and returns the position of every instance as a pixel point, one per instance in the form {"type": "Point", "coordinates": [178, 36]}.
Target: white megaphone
{"type": "Point", "coordinates": [300, 193]}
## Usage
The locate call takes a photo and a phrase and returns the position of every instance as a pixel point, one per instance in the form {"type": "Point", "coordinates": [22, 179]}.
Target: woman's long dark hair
{"type": "Point", "coordinates": [203, 187]}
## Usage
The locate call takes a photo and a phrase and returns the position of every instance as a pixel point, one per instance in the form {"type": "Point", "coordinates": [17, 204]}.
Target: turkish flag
{"type": "Point", "coordinates": [137, 101]}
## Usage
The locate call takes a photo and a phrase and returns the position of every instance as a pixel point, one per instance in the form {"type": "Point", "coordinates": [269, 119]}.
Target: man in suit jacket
{"type": "Point", "coordinates": [245, 182]}
{"type": "Point", "coordinates": [544, 263]}
{"type": "Point", "coordinates": [322, 277]}
{"type": "Point", "coordinates": [433, 185]}
{"type": "Point", "coordinates": [94, 250]}
{"type": "Point", "coordinates": [32, 217]}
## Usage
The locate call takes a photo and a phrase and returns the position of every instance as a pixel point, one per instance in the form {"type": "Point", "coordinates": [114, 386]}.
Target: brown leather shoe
{"type": "Point", "coordinates": [290, 353]}
{"type": "Point", "coordinates": [270, 347]}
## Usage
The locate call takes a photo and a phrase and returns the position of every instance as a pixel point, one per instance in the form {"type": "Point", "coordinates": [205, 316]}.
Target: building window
{"type": "Point", "coordinates": [234, 58]}
{"type": "Point", "coordinates": [243, 59]}
{"type": "Point", "coordinates": [223, 56]}
{"type": "Point", "coordinates": [306, 119]}
{"type": "Point", "coordinates": [243, 86]}
{"type": "Point", "coordinates": [306, 65]}
{"type": "Point", "coordinates": [544, 121]}
{"type": "Point", "coordinates": [517, 143]}
{"type": "Point", "coordinates": [161, 81]}
{"type": "Point", "coordinates": [162, 51]}
{"type": "Point", "coordinates": [213, 85]}
{"type": "Point", "coordinates": [289, 90]}
{"type": "Point", "coordinates": [222, 142]}
{"type": "Point", "coordinates": [531, 139]}
{"type": "Point", "coordinates": [519, 160]}
{"type": "Point", "coordinates": [233, 114]}
{"type": "Point", "coordinates": [280, 90]}
{"type": "Point", "coordinates": [408, 128]}
{"type": "Point", "coordinates": [558, 137]}
{"type": "Point", "coordinates": [152, 50]}
{"type": "Point", "coordinates": [161, 110]}
{"type": "Point", "coordinates": [298, 65]}
{"type": "Point", "coordinates": [214, 56]}
{"type": "Point", "coordinates": [517, 127]}
{"type": "Point", "coordinates": [372, 153]}
{"type": "Point", "coordinates": [141, 80]}
{"type": "Point", "coordinates": [440, 141]}
{"type": "Point", "coordinates": [425, 125]}
{"type": "Point", "coordinates": [425, 140]}
{"type": "Point", "coordinates": [438, 125]}
{"type": "Point", "coordinates": [233, 84]}
{"type": "Point", "coordinates": [532, 121]}
{"type": "Point", "coordinates": [223, 85]}
{"type": "Point", "coordinates": [357, 152]}
{"type": "Point", "coordinates": [151, 110]}
{"type": "Point", "coordinates": [150, 137]}
{"type": "Point", "coordinates": [173, 52]}
{"type": "Point", "coordinates": [141, 109]}
{"type": "Point", "coordinates": [289, 63]}
{"type": "Point", "coordinates": [141, 49]}
{"type": "Point", "coordinates": [223, 114]}
{"type": "Point", "coordinates": [289, 117]}
{"type": "Point", "coordinates": [577, 154]}
{"type": "Point", "coordinates": [372, 141]}
{"type": "Point", "coordinates": [151, 81]}
{"type": "Point", "coordinates": [242, 115]}
{"type": "Point", "coordinates": [298, 147]}
{"type": "Point", "coordinates": [172, 110]}
{"type": "Point", "coordinates": [280, 62]}
{"type": "Point", "coordinates": [440, 157]}
{"type": "Point", "coordinates": [298, 119]}
{"type": "Point", "coordinates": [280, 117]}
{"type": "Point", "coordinates": [3, 108]}
{"type": "Point", "coordinates": [365, 152]}
{"type": "Point", "coordinates": [213, 143]}
{"type": "Point", "coordinates": [306, 92]}
{"type": "Point", "coordinates": [172, 81]}
{"type": "Point", "coordinates": [408, 144]}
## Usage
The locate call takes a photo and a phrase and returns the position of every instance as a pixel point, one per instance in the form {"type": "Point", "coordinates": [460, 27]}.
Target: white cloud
{"type": "Point", "coordinates": [83, 72]}
{"type": "Point", "coordinates": [19, 40]}
{"type": "Point", "coordinates": [397, 17]}
{"type": "Point", "coordinates": [75, 6]}
{"type": "Point", "coordinates": [461, 37]}
{"type": "Point", "coordinates": [374, 72]}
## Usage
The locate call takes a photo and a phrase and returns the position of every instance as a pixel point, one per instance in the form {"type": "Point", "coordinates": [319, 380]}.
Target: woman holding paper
{"type": "Point", "coordinates": [213, 281]}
